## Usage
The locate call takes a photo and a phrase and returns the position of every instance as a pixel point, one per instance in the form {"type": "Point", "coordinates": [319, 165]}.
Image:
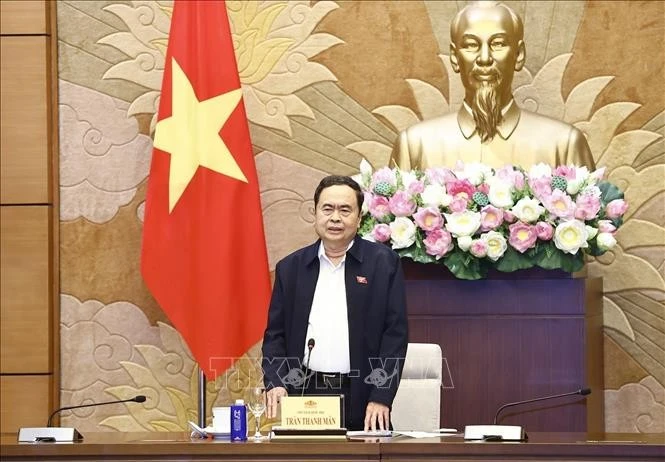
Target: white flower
{"type": "Point", "coordinates": [475, 172]}
{"type": "Point", "coordinates": [540, 170]}
{"type": "Point", "coordinates": [570, 236]}
{"type": "Point", "coordinates": [573, 186]}
{"type": "Point", "coordinates": [501, 193]}
{"type": "Point", "coordinates": [591, 232]}
{"type": "Point", "coordinates": [528, 210]}
{"type": "Point", "coordinates": [435, 195]}
{"type": "Point", "coordinates": [408, 177]}
{"type": "Point", "coordinates": [365, 168]}
{"type": "Point", "coordinates": [464, 242]}
{"type": "Point", "coordinates": [592, 190]}
{"type": "Point", "coordinates": [496, 244]}
{"type": "Point", "coordinates": [462, 223]}
{"type": "Point", "coordinates": [402, 233]}
{"type": "Point", "coordinates": [605, 241]}
{"type": "Point", "coordinates": [581, 174]}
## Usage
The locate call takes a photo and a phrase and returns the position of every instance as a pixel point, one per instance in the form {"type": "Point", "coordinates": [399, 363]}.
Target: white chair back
{"type": "Point", "coordinates": [417, 405]}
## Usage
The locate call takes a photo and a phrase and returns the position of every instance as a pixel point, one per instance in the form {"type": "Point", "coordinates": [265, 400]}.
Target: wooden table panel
{"type": "Point", "coordinates": [23, 16]}
{"type": "Point", "coordinates": [25, 297]}
{"type": "Point", "coordinates": [24, 120]}
{"type": "Point", "coordinates": [24, 401]}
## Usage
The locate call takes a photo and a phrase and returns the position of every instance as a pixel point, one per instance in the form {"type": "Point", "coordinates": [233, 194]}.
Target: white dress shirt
{"type": "Point", "coordinates": [328, 322]}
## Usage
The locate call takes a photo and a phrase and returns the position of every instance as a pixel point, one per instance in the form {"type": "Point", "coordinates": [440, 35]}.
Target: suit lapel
{"type": "Point", "coordinates": [306, 285]}
{"type": "Point", "coordinates": [356, 292]}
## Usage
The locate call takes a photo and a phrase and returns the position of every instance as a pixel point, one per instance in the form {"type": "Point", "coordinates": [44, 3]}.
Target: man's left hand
{"type": "Point", "coordinates": [377, 416]}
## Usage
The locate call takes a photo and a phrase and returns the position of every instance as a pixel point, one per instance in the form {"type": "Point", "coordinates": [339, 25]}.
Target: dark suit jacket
{"type": "Point", "coordinates": [378, 331]}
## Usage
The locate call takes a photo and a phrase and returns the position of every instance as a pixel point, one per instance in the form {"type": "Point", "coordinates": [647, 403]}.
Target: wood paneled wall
{"type": "Point", "coordinates": [28, 212]}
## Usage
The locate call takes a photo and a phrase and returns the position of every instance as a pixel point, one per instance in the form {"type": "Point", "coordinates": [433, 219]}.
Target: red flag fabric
{"type": "Point", "coordinates": [204, 255]}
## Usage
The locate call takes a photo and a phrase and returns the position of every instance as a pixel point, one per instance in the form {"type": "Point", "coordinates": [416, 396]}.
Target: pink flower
{"type": "Point", "coordinates": [567, 171]}
{"type": "Point", "coordinates": [428, 218]}
{"type": "Point", "coordinates": [401, 204]}
{"type": "Point", "coordinates": [484, 188]}
{"type": "Point", "coordinates": [490, 218]}
{"type": "Point", "coordinates": [541, 187]}
{"type": "Point", "coordinates": [458, 204]}
{"type": "Point", "coordinates": [379, 207]}
{"type": "Point", "coordinates": [509, 217]}
{"type": "Point", "coordinates": [416, 187]}
{"type": "Point", "coordinates": [522, 236]}
{"type": "Point", "coordinates": [588, 207]}
{"type": "Point", "coordinates": [544, 231]}
{"type": "Point", "coordinates": [560, 204]}
{"type": "Point", "coordinates": [439, 175]}
{"type": "Point", "coordinates": [438, 243]}
{"type": "Point", "coordinates": [616, 208]}
{"type": "Point", "coordinates": [381, 232]}
{"type": "Point", "coordinates": [514, 177]}
{"type": "Point", "coordinates": [478, 248]}
{"type": "Point", "coordinates": [462, 188]}
{"type": "Point", "coordinates": [606, 226]}
{"type": "Point", "coordinates": [384, 175]}
{"type": "Point", "coordinates": [598, 174]}
{"type": "Point", "coordinates": [518, 178]}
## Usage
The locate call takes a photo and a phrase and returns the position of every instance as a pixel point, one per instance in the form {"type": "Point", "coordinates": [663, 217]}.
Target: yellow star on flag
{"type": "Point", "coordinates": [191, 134]}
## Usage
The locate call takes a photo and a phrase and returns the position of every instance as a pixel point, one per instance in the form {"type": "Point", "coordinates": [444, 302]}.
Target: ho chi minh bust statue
{"type": "Point", "coordinates": [487, 47]}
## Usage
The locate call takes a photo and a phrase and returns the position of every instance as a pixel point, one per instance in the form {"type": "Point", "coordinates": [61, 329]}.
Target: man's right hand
{"type": "Point", "coordinates": [273, 397]}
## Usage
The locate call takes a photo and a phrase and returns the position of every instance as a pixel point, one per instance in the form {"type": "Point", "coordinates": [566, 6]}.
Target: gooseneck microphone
{"type": "Point", "coordinates": [136, 399]}
{"type": "Point", "coordinates": [581, 391]}
{"type": "Point", "coordinates": [310, 347]}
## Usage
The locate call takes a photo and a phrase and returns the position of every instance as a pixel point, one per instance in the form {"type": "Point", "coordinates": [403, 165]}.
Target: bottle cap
{"type": "Point", "coordinates": [240, 401]}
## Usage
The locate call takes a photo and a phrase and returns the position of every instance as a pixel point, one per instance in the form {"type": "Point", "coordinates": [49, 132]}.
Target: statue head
{"type": "Point", "coordinates": [486, 49]}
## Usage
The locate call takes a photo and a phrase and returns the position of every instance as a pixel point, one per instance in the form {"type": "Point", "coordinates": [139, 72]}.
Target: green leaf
{"type": "Point", "coordinates": [366, 225]}
{"type": "Point", "coordinates": [593, 248]}
{"type": "Point", "coordinates": [609, 192]}
{"type": "Point", "coordinates": [464, 266]}
{"type": "Point", "coordinates": [512, 260]}
{"type": "Point", "coordinates": [416, 254]}
{"type": "Point", "coordinates": [549, 257]}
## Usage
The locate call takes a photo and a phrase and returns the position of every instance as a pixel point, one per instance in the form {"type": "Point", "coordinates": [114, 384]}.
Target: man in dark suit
{"type": "Point", "coordinates": [347, 294]}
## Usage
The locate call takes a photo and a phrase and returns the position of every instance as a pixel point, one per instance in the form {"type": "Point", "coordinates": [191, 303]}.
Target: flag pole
{"type": "Point", "coordinates": [202, 398]}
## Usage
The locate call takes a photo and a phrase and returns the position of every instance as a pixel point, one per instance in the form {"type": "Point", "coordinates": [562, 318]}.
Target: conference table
{"type": "Point", "coordinates": [163, 446]}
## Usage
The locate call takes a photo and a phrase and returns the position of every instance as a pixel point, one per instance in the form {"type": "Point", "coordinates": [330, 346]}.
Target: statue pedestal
{"type": "Point", "coordinates": [512, 337]}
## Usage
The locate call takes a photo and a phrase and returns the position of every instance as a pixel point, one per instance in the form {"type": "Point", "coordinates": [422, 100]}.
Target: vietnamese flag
{"type": "Point", "coordinates": [204, 254]}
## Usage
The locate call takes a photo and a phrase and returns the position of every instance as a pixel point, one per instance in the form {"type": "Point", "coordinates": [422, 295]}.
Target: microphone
{"type": "Point", "coordinates": [51, 434]}
{"type": "Point", "coordinates": [581, 391]}
{"type": "Point", "coordinates": [136, 399]}
{"type": "Point", "coordinates": [310, 347]}
{"type": "Point", "coordinates": [496, 432]}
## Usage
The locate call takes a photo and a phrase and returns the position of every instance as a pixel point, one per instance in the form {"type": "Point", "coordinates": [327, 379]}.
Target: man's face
{"type": "Point", "coordinates": [485, 51]}
{"type": "Point", "coordinates": [337, 216]}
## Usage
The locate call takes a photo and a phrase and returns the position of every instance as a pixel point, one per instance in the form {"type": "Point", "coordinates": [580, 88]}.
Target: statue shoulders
{"type": "Point", "coordinates": [434, 125]}
{"type": "Point", "coordinates": [550, 124]}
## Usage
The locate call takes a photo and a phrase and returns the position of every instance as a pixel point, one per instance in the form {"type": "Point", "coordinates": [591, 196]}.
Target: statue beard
{"type": "Point", "coordinates": [486, 105]}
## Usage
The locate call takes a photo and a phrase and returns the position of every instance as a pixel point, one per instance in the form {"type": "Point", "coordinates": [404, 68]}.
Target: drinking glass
{"type": "Point", "coordinates": [257, 406]}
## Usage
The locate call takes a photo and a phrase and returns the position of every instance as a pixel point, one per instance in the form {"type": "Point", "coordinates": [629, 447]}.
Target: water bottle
{"type": "Point", "coordinates": [239, 421]}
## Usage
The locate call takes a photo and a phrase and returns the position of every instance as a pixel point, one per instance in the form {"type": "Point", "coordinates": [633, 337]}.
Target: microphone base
{"type": "Point", "coordinates": [48, 435]}
{"type": "Point", "coordinates": [494, 433]}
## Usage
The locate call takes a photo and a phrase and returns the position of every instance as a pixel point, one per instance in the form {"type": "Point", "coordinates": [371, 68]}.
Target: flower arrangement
{"type": "Point", "coordinates": [473, 217]}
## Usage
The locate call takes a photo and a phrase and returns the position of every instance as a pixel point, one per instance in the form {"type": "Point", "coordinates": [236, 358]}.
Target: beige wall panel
{"type": "Point", "coordinates": [24, 401]}
{"type": "Point", "coordinates": [23, 17]}
{"type": "Point", "coordinates": [24, 142]}
{"type": "Point", "coordinates": [25, 290]}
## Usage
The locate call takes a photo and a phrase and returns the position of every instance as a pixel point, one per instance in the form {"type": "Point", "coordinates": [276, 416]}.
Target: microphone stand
{"type": "Point", "coordinates": [50, 434]}
{"type": "Point", "coordinates": [136, 399]}
{"type": "Point", "coordinates": [310, 347]}
{"type": "Point", "coordinates": [510, 432]}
